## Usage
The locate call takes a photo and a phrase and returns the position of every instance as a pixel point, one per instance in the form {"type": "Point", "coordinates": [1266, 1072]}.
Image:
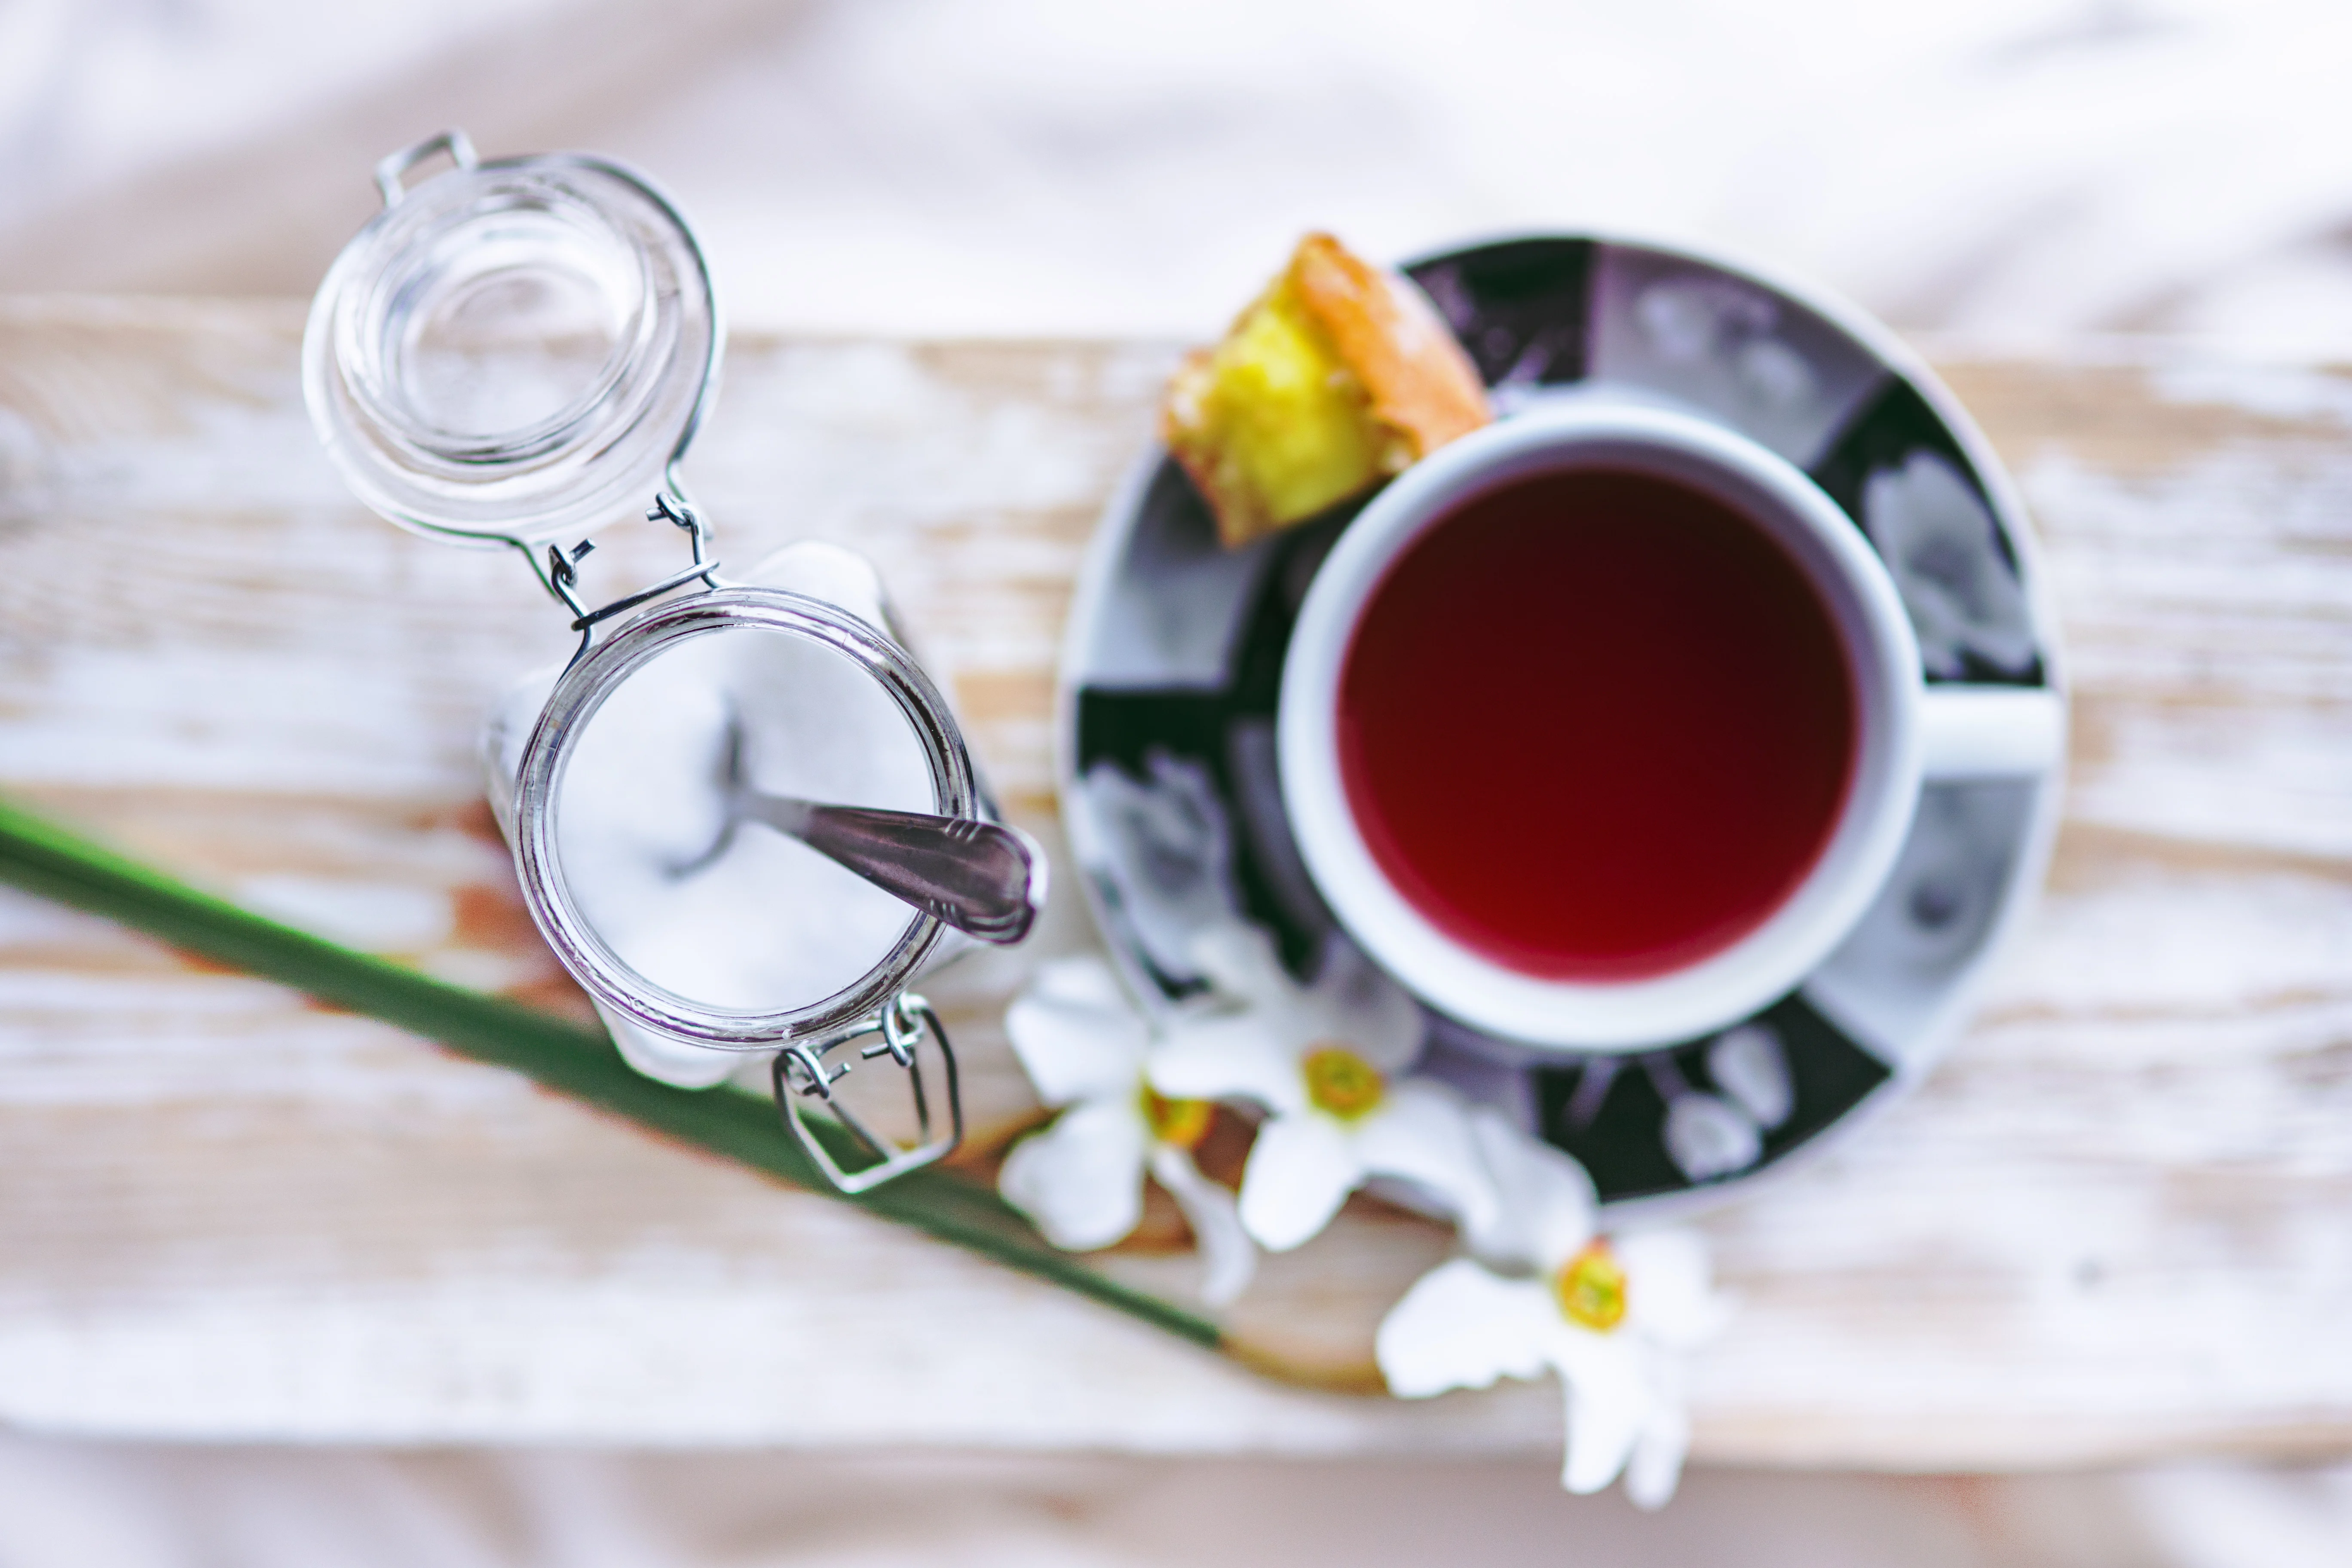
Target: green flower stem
{"type": "Point", "coordinates": [41, 857]}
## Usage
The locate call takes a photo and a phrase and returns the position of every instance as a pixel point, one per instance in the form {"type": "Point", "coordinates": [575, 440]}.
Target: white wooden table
{"type": "Point", "coordinates": [2117, 1224]}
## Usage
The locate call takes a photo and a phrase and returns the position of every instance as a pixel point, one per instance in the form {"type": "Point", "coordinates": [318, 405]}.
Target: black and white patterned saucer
{"type": "Point", "coordinates": [1174, 660]}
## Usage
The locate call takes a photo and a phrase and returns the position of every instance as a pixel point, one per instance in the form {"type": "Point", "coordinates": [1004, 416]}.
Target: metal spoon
{"type": "Point", "coordinates": [986, 881]}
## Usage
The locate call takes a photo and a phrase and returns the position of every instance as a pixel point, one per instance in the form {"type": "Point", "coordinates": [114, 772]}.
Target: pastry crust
{"type": "Point", "coordinates": [1336, 377]}
{"type": "Point", "coordinates": [1424, 389]}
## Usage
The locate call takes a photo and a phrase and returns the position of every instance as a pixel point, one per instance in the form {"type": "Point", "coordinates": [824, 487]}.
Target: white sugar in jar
{"type": "Point", "coordinates": [766, 924]}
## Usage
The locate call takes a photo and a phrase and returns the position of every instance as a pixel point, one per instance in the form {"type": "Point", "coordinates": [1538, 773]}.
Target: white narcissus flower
{"type": "Point", "coordinates": [1614, 1317]}
{"type": "Point", "coordinates": [1080, 1181]}
{"type": "Point", "coordinates": [1324, 1060]}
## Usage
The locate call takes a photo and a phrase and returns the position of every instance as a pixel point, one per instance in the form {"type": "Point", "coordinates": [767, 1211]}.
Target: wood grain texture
{"type": "Point", "coordinates": [2112, 1225]}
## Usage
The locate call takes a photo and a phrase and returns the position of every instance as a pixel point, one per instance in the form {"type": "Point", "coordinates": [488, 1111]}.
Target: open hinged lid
{"type": "Point", "coordinates": [513, 350]}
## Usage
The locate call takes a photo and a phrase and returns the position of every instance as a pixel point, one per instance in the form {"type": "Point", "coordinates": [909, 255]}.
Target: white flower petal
{"type": "Point", "coordinates": [1082, 981]}
{"type": "Point", "coordinates": [1228, 1261]}
{"type": "Point", "coordinates": [1608, 1401]}
{"type": "Point", "coordinates": [1223, 1055]}
{"type": "Point", "coordinates": [1668, 1299]}
{"type": "Point", "coordinates": [1657, 1465]}
{"type": "Point", "coordinates": [1545, 1205]}
{"type": "Point", "coordinates": [1300, 1170]}
{"type": "Point", "coordinates": [1355, 1002]}
{"type": "Point", "coordinates": [1240, 961]}
{"type": "Point", "coordinates": [1462, 1327]}
{"type": "Point", "coordinates": [1075, 1041]}
{"type": "Point", "coordinates": [1421, 1131]}
{"type": "Point", "coordinates": [1081, 1180]}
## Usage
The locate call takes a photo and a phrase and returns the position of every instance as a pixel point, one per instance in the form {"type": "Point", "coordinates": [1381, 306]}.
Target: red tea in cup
{"type": "Point", "coordinates": [1596, 725]}
{"type": "Point", "coordinates": [1602, 727]}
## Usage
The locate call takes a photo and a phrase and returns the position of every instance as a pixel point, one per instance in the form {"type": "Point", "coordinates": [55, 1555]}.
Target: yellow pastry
{"type": "Point", "coordinates": [1338, 376]}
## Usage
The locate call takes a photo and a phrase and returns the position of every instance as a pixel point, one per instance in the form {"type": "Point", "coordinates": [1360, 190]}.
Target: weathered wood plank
{"type": "Point", "coordinates": [2111, 1226]}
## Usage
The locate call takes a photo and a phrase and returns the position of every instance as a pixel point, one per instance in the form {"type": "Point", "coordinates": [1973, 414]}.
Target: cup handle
{"type": "Point", "coordinates": [1990, 732]}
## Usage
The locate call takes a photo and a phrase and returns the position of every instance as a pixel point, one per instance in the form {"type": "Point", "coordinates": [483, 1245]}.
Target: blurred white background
{"type": "Point", "coordinates": [2011, 168]}
{"type": "Point", "coordinates": [2015, 172]}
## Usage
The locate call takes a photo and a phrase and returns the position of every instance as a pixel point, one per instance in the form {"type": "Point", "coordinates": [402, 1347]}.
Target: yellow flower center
{"type": "Point", "coordinates": [1179, 1123]}
{"type": "Point", "coordinates": [1341, 1082]}
{"type": "Point", "coordinates": [1590, 1288]}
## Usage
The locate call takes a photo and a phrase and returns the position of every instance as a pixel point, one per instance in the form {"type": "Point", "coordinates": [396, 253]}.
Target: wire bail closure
{"type": "Point", "coordinates": [802, 1074]}
{"type": "Point", "coordinates": [561, 576]}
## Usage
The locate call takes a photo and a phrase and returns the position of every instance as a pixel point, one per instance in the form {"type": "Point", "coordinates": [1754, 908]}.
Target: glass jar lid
{"type": "Point", "coordinates": [512, 349]}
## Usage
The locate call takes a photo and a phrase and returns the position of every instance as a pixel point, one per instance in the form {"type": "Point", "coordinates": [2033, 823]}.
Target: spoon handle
{"type": "Point", "coordinates": [985, 880]}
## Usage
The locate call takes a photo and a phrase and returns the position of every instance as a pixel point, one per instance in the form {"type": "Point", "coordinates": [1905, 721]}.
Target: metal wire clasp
{"type": "Point", "coordinates": [560, 575]}
{"type": "Point", "coordinates": [802, 1074]}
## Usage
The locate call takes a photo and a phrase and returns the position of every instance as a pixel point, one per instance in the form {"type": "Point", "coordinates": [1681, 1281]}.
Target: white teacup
{"type": "Point", "coordinates": [1905, 732]}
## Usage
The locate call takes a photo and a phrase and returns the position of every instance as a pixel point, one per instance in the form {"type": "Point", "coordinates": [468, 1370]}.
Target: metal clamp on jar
{"type": "Point", "coordinates": [744, 819]}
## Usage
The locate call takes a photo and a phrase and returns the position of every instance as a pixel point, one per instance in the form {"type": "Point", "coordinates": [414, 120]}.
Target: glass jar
{"type": "Point", "coordinates": [513, 351]}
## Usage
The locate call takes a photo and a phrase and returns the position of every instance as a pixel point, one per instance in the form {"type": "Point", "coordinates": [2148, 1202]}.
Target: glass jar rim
{"type": "Point", "coordinates": [582, 690]}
